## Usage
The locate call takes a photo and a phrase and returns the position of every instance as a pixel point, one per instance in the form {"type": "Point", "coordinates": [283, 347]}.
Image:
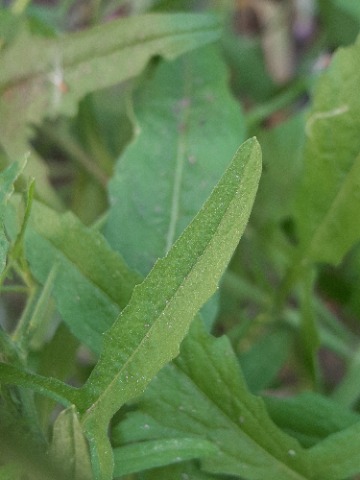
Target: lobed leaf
{"type": "Point", "coordinates": [202, 394]}
{"type": "Point", "coordinates": [149, 331]}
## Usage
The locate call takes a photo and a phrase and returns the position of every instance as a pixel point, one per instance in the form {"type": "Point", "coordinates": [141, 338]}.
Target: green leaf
{"type": "Point", "coordinates": [50, 75]}
{"type": "Point", "coordinates": [156, 453]}
{"type": "Point", "coordinates": [148, 333]}
{"type": "Point", "coordinates": [161, 183]}
{"type": "Point", "coordinates": [309, 417]}
{"type": "Point", "coordinates": [7, 179]}
{"type": "Point", "coordinates": [337, 457]}
{"type": "Point", "coordinates": [328, 199]}
{"type": "Point", "coordinates": [92, 283]}
{"type": "Point", "coordinates": [69, 450]}
{"type": "Point", "coordinates": [202, 394]}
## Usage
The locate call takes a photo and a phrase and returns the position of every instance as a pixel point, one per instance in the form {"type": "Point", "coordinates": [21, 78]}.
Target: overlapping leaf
{"type": "Point", "coordinates": [92, 283]}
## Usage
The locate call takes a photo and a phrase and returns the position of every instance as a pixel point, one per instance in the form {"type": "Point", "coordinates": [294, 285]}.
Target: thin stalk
{"type": "Point", "coordinates": [263, 111]}
{"type": "Point", "coordinates": [73, 150]}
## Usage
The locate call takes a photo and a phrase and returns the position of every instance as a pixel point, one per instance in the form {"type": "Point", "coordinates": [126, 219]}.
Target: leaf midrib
{"type": "Point", "coordinates": [95, 403]}
{"type": "Point", "coordinates": [180, 162]}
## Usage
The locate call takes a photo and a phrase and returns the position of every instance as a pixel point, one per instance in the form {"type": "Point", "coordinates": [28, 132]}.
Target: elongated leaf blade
{"type": "Point", "coordinates": [148, 333]}
{"type": "Point", "coordinates": [155, 196]}
{"type": "Point", "coordinates": [92, 283]}
{"type": "Point", "coordinates": [202, 394]}
{"type": "Point", "coordinates": [329, 195]}
{"type": "Point", "coordinates": [156, 453]}
{"type": "Point", "coordinates": [51, 75]}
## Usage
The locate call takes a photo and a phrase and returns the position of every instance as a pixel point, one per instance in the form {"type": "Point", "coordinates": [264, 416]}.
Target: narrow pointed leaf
{"type": "Point", "coordinates": [149, 332]}
{"type": "Point", "coordinates": [328, 199]}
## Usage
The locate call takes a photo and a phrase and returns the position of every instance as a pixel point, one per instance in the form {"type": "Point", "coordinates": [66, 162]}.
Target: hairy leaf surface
{"type": "Point", "coordinates": [149, 332]}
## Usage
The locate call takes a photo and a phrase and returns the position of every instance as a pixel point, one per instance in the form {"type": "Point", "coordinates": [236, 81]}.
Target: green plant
{"type": "Point", "coordinates": [138, 338]}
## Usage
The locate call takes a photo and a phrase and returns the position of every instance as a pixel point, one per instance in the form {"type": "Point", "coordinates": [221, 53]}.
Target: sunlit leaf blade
{"type": "Point", "coordinates": [149, 332]}
{"type": "Point", "coordinates": [92, 283]}
{"type": "Point", "coordinates": [328, 199]}
{"type": "Point", "coordinates": [51, 75]}
{"type": "Point", "coordinates": [48, 76]}
{"type": "Point", "coordinates": [156, 453]}
{"type": "Point", "coordinates": [202, 394]}
{"type": "Point", "coordinates": [7, 179]}
{"type": "Point", "coordinates": [68, 449]}
{"type": "Point", "coordinates": [337, 457]}
{"type": "Point", "coordinates": [189, 125]}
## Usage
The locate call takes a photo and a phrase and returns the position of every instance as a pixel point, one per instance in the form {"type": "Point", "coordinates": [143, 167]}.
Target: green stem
{"type": "Point", "coordinates": [73, 150]}
{"type": "Point", "coordinates": [263, 111]}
